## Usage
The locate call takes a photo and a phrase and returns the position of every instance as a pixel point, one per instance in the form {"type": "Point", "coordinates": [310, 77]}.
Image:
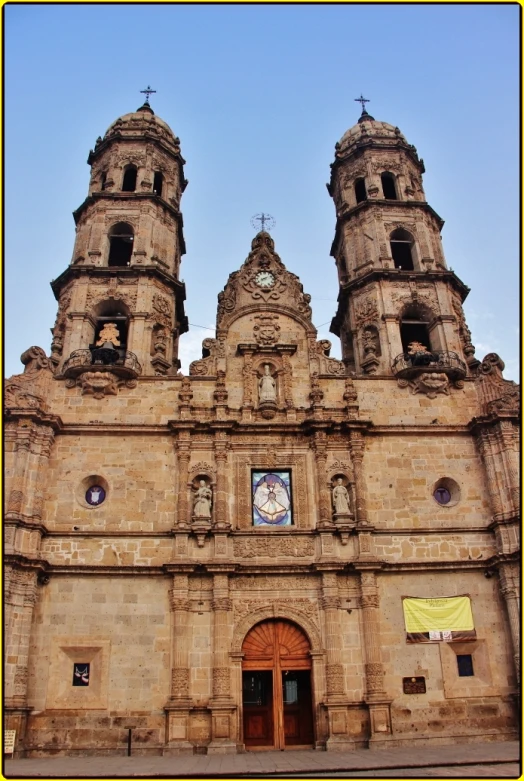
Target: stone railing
{"type": "Point", "coordinates": [125, 365]}
{"type": "Point", "coordinates": [408, 365]}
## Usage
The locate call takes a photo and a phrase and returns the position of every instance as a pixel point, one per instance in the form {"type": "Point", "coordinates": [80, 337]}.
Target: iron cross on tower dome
{"type": "Point", "coordinates": [147, 92]}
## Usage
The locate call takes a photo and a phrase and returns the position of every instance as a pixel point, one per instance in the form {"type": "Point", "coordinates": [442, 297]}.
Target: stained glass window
{"type": "Point", "coordinates": [271, 493]}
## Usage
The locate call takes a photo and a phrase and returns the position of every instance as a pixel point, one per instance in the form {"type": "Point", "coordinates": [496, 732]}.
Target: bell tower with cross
{"type": "Point", "coordinates": [125, 267]}
{"type": "Point", "coordinates": [399, 306]}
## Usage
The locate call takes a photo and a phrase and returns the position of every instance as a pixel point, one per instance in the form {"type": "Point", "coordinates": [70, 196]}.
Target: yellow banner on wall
{"type": "Point", "coordinates": [441, 618]}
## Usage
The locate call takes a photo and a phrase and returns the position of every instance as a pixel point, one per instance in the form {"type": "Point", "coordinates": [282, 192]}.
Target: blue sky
{"type": "Point", "coordinates": [259, 95]}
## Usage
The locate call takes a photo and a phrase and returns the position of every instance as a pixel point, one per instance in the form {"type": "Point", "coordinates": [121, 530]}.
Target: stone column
{"type": "Point", "coordinates": [20, 601]}
{"type": "Point", "coordinates": [46, 439]}
{"type": "Point", "coordinates": [509, 587]}
{"type": "Point", "coordinates": [483, 442]}
{"type": "Point", "coordinates": [221, 447]}
{"type": "Point", "coordinates": [376, 698]}
{"type": "Point", "coordinates": [179, 703]}
{"type": "Point", "coordinates": [330, 604]}
{"type": "Point", "coordinates": [17, 498]}
{"type": "Point", "coordinates": [357, 446]}
{"type": "Point", "coordinates": [223, 732]}
{"type": "Point", "coordinates": [324, 509]}
{"type": "Point", "coordinates": [394, 342]}
{"type": "Point", "coordinates": [510, 458]}
{"type": "Point", "coordinates": [183, 447]}
{"type": "Point", "coordinates": [336, 700]}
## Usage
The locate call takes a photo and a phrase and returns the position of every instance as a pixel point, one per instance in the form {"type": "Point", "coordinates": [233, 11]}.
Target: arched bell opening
{"type": "Point", "coordinates": [158, 183]}
{"type": "Point", "coordinates": [121, 238]}
{"type": "Point", "coordinates": [402, 247]}
{"type": "Point", "coordinates": [277, 700]}
{"type": "Point", "coordinates": [419, 334]}
{"type": "Point", "coordinates": [360, 190]}
{"type": "Point", "coordinates": [388, 186]}
{"type": "Point", "coordinates": [110, 334]}
{"type": "Point", "coordinates": [129, 179]}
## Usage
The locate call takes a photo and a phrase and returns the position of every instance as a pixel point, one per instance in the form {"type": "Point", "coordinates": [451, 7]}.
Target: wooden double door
{"type": "Point", "coordinates": [276, 686]}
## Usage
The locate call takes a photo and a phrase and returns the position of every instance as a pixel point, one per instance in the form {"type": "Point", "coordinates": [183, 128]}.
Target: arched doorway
{"type": "Point", "coordinates": [276, 686]}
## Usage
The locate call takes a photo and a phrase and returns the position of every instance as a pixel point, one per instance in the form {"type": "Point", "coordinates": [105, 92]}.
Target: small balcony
{"type": "Point", "coordinates": [120, 362]}
{"type": "Point", "coordinates": [408, 365]}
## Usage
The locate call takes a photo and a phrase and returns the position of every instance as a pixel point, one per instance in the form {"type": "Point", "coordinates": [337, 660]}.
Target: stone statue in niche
{"type": "Point", "coordinates": [341, 498]}
{"type": "Point", "coordinates": [202, 505]}
{"type": "Point", "coordinates": [267, 387]}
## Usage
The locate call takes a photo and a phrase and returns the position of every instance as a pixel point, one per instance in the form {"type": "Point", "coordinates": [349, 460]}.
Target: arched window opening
{"type": "Point", "coordinates": [103, 179]}
{"type": "Point", "coordinates": [414, 329]}
{"type": "Point", "coordinates": [388, 186]}
{"type": "Point", "coordinates": [158, 181]}
{"type": "Point", "coordinates": [401, 243]}
{"type": "Point", "coordinates": [121, 238]}
{"type": "Point", "coordinates": [360, 190]}
{"type": "Point", "coordinates": [129, 180]}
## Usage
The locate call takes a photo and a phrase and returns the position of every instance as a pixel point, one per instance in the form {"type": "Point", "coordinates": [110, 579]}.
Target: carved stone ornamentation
{"type": "Point", "coordinates": [300, 547]}
{"type": "Point", "coordinates": [179, 682]}
{"type": "Point", "coordinates": [221, 681]}
{"type": "Point", "coordinates": [430, 383]}
{"type": "Point", "coordinates": [98, 384]}
{"type": "Point", "coordinates": [334, 678]}
{"type": "Point", "coordinates": [366, 311]}
{"type": "Point", "coordinates": [266, 330]}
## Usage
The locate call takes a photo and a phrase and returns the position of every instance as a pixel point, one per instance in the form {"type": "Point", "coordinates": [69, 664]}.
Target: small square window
{"type": "Point", "coordinates": [465, 665]}
{"type": "Point", "coordinates": [81, 674]}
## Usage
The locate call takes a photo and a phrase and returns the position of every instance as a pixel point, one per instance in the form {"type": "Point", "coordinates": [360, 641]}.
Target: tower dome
{"type": "Point", "coordinates": [142, 122]}
{"type": "Point", "coordinates": [367, 131]}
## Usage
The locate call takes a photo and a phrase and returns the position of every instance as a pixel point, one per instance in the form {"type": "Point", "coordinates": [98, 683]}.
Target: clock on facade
{"type": "Point", "coordinates": [265, 279]}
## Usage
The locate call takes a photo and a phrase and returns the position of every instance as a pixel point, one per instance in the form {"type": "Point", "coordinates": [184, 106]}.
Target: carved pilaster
{"type": "Point", "coordinates": [249, 379]}
{"type": "Point", "coordinates": [357, 446]}
{"type": "Point", "coordinates": [510, 457]}
{"type": "Point", "coordinates": [484, 445]}
{"type": "Point", "coordinates": [369, 601]}
{"type": "Point", "coordinates": [330, 604]}
{"type": "Point", "coordinates": [510, 589]}
{"type": "Point", "coordinates": [179, 603]}
{"type": "Point", "coordinates": [21, 601]}
{"type": "Point", "coordinates": [320, 451]}
{"type": "Point", "coordinates": [221, 447]}
{"type": "Point", "coordinates": [222, 705]}
{"type": "Point", "coordinates": [183, 447]}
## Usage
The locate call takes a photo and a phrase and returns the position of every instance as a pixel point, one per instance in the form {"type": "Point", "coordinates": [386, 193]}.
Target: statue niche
{"type": "Point", "coordinates": [202, 504]}
{"type": "Point", "coordinates": [343, 517]}
{"type": "Point", "coordinates": [267, 393]}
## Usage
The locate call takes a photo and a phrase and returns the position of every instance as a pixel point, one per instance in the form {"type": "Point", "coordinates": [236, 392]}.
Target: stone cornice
{"type": "Point", "coordinates": [172, 151]}
{"type": "Point", "coordinates": [102, 273]}
{"type": "Point", "coordinates": [476, 424]}
{"type": "Point", "coordinates": [369, 204]}
{"type": "Point", "coordinates": [36, 416]}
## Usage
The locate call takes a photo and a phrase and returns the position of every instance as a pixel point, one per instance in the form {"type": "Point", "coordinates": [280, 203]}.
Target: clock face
{"type": "Point", "coordinates": [265, 279]}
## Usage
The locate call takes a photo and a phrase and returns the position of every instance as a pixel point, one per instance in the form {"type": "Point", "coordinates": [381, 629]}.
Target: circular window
{"type": "Point", "coordinates": [446, 492]}
{"type": "Point", "coordinates": [442, 495]}
{"type": "Point", "coordinates": [95, 495]}
{"type": "Point", "coordinates": [92, 491]}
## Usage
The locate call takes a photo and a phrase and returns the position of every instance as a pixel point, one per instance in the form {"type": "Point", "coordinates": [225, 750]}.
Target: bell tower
{"type": "Point", "coordinates": [120, 301]}
{"type": "Point", "coordinates": [399, 305]}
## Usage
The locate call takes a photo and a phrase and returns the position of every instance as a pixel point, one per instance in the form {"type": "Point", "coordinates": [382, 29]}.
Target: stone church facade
{"type": "Point", "coordinates": [220, 562]}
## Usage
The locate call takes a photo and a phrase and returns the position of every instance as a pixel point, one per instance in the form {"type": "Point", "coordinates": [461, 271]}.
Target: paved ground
{"type": "Point", "coordinates": [423, 762]}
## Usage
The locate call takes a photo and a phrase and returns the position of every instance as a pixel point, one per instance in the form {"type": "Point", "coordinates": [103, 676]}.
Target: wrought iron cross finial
{"type": "Point", "coordinates": [266, 221]}
{"type": "Point", "coordinates": [147, 92]}
{"type": "Point", "coordinates": [362, 100]}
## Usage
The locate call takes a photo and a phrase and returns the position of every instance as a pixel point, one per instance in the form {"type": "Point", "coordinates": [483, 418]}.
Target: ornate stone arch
{"type": "Point", "coordinates": [227, 320]}
{"type": "Point", "coordinates": [276, 611]}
